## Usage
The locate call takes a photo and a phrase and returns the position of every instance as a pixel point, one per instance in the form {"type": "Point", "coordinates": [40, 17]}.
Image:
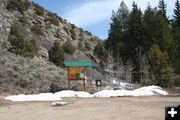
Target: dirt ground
{"type": "Point", "coordinates": [122, 108]}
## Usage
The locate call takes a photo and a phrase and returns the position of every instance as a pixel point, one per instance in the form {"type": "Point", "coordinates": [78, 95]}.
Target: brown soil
{"type": "Point", "coordinates": [122, 108]}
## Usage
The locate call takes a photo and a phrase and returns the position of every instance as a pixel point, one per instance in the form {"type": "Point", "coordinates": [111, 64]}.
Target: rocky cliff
{"type": "Point", "coordinates": [20, 74]}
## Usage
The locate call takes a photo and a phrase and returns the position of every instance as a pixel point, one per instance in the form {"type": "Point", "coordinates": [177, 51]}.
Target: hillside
{"type": "Point", "coordinates": [23, 71]}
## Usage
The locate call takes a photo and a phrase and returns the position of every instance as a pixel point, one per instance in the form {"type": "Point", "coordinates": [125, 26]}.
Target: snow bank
{"type": "Point", "coordinates": [66, 93]}
{"type": "Point", "coordinates": [144, 91]}
{"type": "Point", "coordinates": [126, 85]}
{"type": "Point", "coordinates": [70, 93]}
{"type": "Point", "coordinates": [82, 94]}
{"type": "Point", "coordinates": [151, 90]}
{"type": "Point", "coordinates": [35, 97]}
{"type": "Point", "coordinates": [49, 96]}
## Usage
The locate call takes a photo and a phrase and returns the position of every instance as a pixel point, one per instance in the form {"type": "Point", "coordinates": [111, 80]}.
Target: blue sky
{"type": "Point", "coordinates": [94, 15]}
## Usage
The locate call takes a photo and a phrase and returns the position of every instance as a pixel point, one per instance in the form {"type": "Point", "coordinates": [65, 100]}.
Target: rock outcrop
{"type": "Point", "coordinates": [32, 75]}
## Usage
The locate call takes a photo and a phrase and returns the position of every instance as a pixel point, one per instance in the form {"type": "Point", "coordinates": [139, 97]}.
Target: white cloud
{"type": "Point", "coordinates": [92, 12]}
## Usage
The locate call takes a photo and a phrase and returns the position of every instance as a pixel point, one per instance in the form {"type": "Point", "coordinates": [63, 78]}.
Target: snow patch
{"type": "Point", "coordinates": [49, 96]}
{"type": "Point", "coordinates": [144, 91]}
{"type": "Point", "coordinates": [35, 97]}
{"type": "Point", "coordinates": [82, 94]}
{"type": "Point", "coordinates": [70, 93]}
{"type": "Point", "coordinates": [59, 103]}
{"type": "Point", "coordinates": [66, 93]}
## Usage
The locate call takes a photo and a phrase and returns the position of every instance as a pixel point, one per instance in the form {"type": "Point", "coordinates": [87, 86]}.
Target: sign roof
{"type": "Point", "coordinates": [78, 63]}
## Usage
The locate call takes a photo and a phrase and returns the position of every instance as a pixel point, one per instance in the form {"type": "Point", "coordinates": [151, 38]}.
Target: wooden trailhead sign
{"type": "Point", "coordinates": [77, 71]}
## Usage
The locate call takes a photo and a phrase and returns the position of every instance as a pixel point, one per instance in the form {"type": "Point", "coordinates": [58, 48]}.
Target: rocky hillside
{"type": "Point", "coordinates": [21, 74]}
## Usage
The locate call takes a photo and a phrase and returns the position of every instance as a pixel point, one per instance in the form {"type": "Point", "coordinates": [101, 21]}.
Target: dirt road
{"type": "Point", "coordinates": [122, 108]}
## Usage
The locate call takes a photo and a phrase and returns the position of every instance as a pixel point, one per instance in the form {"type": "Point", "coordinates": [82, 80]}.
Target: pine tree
{"type": "Point", "coordinates": [149, 21]}
{"type": "Point", "coordinates": [157, 30]}
{"type": "Point", "coordinates": [135, 28]}
{"type": "Point", "coordinates": [68, 47]}
{"type": "Point", "coordinates": [99, 50]}
{"type": "Point", "coordinates": [177, 12]}
{"type": "Point", "coordinates": [133, 34]}
{"type": "Point", "coordinates": [122, 16]}
{"type": "Point", "coordinates": [20, 44]}
{"type": "Point", "coordinates": [136, 43]}
{"type": "Point", "coordinates": [164, 36]}
{"type": "Point", "coordinates": [56, 54]}
{"type": "Point", "coordinates": [176, 36]}
{"type": "Point", "coordinates": [162, 7]}
{"type": "Point", "coordinates": [20, 5]}
{"type": "Point", "coordinates": [176, 22]}
{"type": "Point", "coordinates": [160, 71]}
{"type": "Point", "coordinates": [117, 30]}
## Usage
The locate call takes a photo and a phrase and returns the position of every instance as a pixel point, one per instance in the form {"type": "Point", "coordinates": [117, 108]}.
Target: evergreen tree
{"type": "Point", "coordinates": [160, 72]}
{"type": "Point", "coordinates": [68, 47]}
{"type": "Point", "coordinates": [162, 7]}
{"type": "Point", "coordinates": [164, 37]}
{"type": "Point", "coordinates": [56, 54]}
{"type": "Point", "coordinates": [19, 5]}
{"type": "Point", "coordinates": [177, 12]}
{"type": "Point", "coordinates": [99, 50]}
{"type": "Point", "coordinates": [87, 46]}
{"type": "Point", "coordinates": [149, 20]}
{"type": "Point", "coordinates": [157, 30]}
{"type": "Point", "coordinates": [176, 36]}
{"type": "Point", "coordinates": [122, 16]}
{"type": "Point", "coordinates": [135, 28]}
{"type": "Point", "coordinates": [136, 43]}
{"type": "Point", "coordinates": [20, 44]}
{"type": "Point", "coordinates": [117, 30]}
{"type": "Point", "coordinates": [177, 18]}
{"type": "Point", "coordinates": [136, 38]}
